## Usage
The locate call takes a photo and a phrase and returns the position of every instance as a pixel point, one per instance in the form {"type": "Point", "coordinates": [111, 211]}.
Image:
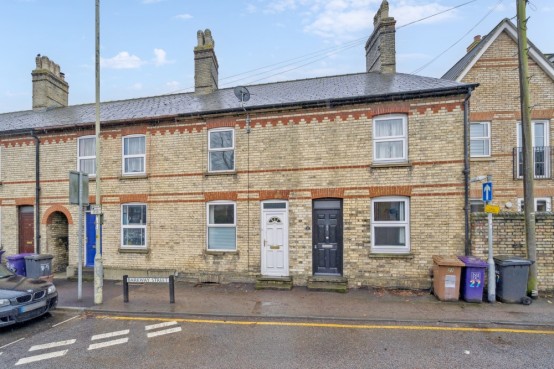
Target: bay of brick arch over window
{"type": "Point", "coordinates": [46, 218]}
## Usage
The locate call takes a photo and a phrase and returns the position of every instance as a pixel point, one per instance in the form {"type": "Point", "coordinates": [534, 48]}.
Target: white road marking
{"type": "Point", "coordinates": [32, 359]}
{"type": "Point", "coordinates": [65, 321]}
{"type": "Point", "coordinates": [109, 335]}
{"type": "Point", "coordinates": [120, 341]}
{"type": "Point", "coordinates": [9, 344]}
{"type": "Point", "coordinates": [161, 325]}
{"type": "Point", "coordinates": [165, 331]}
{"type": "Point", "coordinates": [52, 345]}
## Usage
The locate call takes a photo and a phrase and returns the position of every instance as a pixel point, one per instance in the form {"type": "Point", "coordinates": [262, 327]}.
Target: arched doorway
{"type": "Point", "coordinates": [57, 240]}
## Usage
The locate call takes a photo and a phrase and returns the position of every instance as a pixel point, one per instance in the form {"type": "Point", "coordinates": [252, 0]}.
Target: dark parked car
{"type": "Point", "coordinates": [24, 298]}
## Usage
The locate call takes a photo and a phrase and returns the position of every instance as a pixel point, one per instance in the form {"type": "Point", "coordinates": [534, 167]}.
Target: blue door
{"type": "Point", "coordinates": [91, 240]}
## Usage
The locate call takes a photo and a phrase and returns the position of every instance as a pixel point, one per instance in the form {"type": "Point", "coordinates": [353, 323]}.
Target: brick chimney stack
{"type": "Point", "coordinates": [205, 64]}
{"type": "Point", "coordinates": [380, 48]}
{"type": "Point", "coordinates": [50, 90]}
{"type": "Point", "coordinates": [476, 40]}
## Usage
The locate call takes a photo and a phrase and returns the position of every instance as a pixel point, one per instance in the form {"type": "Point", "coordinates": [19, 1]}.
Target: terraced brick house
{"type": "Point", "coordinates": [354, 179]}
{"type": "Point", "coordinates": [496, 144]}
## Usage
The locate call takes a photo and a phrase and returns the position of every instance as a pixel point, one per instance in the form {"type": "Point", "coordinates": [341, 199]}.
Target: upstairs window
{"type": "Point", "coordinates": [134, 154]}
{"type": "Point", "coordinates": [390, 139]}
{"type": "Point", "coordinates": [480, 145]}
{"type": "Point", "coordinates": [86, 155]}
{"type": "Point", "coordinates": [390, 225]}
{"type": "Point", "coordinates": [133, 226]}
{"type": "Point", "coordinates": [221, 150]}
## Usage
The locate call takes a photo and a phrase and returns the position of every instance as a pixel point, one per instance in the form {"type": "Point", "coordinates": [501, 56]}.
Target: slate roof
{"type": "Point", "coordinates": [333, 89]}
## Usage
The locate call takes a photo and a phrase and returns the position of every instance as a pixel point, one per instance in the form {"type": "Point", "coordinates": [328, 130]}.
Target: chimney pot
{"type": "Point", "coordinates": [380, 48]}
{"type": "Point", "coordinates": [205, 64]}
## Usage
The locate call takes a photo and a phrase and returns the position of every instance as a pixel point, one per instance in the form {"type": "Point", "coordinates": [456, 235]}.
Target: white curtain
{"type": "Point", "coordinates": [388, 128]}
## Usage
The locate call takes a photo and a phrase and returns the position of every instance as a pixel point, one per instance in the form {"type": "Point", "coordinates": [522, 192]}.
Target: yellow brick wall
{"type": "Point", "coordinates": [291, 155]}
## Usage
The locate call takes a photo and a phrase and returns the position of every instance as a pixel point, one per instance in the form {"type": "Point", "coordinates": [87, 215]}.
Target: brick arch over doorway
{"type": "Point", "coordinates": [47, 217]}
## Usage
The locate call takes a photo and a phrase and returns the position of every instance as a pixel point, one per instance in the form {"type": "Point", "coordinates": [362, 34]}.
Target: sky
{"type": "Point", "coordinates": [147, 45]}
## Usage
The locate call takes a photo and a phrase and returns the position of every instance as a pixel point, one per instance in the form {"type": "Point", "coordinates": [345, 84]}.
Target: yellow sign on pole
{"type": "Point", "coordinates": [494, 209]}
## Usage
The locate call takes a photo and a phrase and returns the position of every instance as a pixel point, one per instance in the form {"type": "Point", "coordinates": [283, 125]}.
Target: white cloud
{"type": "Point", "coordinates": [251, 8]}
{"type": "Point", "coordinates": [123, 60]}
{"type": "Point", "coordinates": [160, 57]}
{"type": "Point", "coordinates": [172, 86]}
{"type": "Point", "coordinates": [151, 1]}
{"type": "Point", "coordinates": [184, 16]}
{"type": "Point", "coordinates": [136, 86]}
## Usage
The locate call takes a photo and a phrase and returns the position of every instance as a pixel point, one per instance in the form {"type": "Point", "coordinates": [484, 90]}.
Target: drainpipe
{"type": "Point", "coordinates": [37, 191]}
{"type": "Point", "coordinates": [466, 174]}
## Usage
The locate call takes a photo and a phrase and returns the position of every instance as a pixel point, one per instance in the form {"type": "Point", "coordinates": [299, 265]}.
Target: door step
{"type": "Point", "coordinates": [328, 283]}
{"type": "Point", "coordinates": [273, 283]}
{"type": "Point", "coordinates": [88, 274]}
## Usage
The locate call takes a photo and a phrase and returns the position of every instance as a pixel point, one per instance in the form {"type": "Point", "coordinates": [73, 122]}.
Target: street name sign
{"type": "Point", "coordinates": [494, 209]}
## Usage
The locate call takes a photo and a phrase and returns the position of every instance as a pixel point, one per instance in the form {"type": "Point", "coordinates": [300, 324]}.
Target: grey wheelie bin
{"type": "Point", "coordinates": [38, 265]}
{"type": "Point", "coordinates": [512, 273]}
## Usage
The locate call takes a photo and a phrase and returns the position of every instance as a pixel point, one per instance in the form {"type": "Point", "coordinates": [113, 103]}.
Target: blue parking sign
{"type": "Point", "coordinates": [487, 191]}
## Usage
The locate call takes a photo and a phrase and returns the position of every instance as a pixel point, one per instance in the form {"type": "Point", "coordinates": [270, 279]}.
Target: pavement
{"type": "Point", "coordinates": [244, 301]}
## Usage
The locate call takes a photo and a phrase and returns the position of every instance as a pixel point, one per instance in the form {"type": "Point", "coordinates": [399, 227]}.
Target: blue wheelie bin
{"type": "Point", "coordinates": [16, 263]}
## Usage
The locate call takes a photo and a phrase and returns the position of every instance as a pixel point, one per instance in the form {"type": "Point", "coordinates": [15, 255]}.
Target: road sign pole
{"type": "Point", "coordinates": [492, 275]}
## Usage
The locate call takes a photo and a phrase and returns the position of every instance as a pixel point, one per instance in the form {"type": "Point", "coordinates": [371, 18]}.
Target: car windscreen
{"type": "Point", "coordinates": [5, 272]}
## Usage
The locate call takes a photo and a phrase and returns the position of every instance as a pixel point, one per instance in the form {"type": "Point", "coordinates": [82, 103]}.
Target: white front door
{"type": "Point", "coordinates": [275, 239]}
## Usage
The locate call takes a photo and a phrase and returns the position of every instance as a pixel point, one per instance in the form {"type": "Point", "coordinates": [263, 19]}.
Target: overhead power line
{"type": "Point", "coordinates": [304, 60]}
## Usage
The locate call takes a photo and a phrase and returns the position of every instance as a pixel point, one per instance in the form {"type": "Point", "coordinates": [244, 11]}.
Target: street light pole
{"type": "Point", "coordinates": [98, 264]}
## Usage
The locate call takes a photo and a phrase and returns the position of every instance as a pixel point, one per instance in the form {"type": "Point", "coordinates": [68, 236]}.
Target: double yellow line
{"type": "Point", "coordinates": [329, 325]}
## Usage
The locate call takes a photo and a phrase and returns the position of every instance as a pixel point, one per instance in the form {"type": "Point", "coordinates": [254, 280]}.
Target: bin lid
{"type": "Point", "coordinates": [510, 260]}
{"type": "Point", "coordinates": [472, 261]}
{"type": "Point", "coordinates": [39, 257]}
{"type": "Point", "coordinates": [447, 260]}
{"type": "Point", "coordinates": [18, 256]}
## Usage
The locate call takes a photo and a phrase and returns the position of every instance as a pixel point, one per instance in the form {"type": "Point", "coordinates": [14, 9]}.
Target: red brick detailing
{"type": "Point", "coordinates": [134, 130]}
{"type": "Point", "coordinates": [327, 192]}
{"type": "Point", "coordinates": [214, 196]}
{"type": "Point", "coordinates": [123, 199]}
{"type": "Point", "coordinates": [92, 199]}
{"type": "Point", "coordinates": [510, 115]}
{"type": "Point", "coordinates": [443, 162]}
{"type": "Point", "coordinates": [54, 208]}
{"type": "Point", "coordinates": [435, 108]}
{"type": "Point", "coordinates": [391, 108]}
{"type": "Point", "coordinates": [25, 201]}
{"type": "Point", "coordinates": [274, 195]}
{"type": "Point", "coordinates": [221, 122]}
{"type": "Point", "coordinates": [390, 191]}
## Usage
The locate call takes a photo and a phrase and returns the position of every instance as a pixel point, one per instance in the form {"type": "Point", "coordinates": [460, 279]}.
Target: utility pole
{"type": "Point", "coordinates": [528, 153]}
{"type": "Point", "coordinates": [98, 264]}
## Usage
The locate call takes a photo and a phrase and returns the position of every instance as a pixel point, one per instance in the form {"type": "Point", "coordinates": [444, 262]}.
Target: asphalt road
{"type": "Point", "coordinates": [64, 340]}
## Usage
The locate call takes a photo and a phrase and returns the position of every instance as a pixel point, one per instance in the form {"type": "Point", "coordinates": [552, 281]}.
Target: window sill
{"type": "Point", "coordinates": [221, 252]}
{"type": "Point", "coordinates": [391, 164]}
{"type": "Point", "coordinates": [382, 255]}
{"type": "Point", "coordinates": [133, 251]}
{"type": "Point", "coordinates": [227, 173]}
{"type": "Point", "coordinates": [132, 176]}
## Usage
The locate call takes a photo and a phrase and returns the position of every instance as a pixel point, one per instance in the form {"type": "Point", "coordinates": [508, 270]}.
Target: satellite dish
{"type": "Point", "coordinates": [242, 93]}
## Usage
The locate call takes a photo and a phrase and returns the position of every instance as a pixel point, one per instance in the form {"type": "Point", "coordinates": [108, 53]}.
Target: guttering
{"type": "Point", "coordinates": [467, 209]}
{"type": "Point", "coordinates": [37, 191]}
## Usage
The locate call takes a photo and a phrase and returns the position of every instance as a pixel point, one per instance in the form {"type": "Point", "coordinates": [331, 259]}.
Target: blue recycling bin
{"type": "Point", "coordinates": [16, 263]}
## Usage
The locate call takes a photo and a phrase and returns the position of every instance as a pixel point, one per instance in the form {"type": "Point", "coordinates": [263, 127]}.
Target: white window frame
{"type": "Point", "coordinates": [79, 158]}
{"type": "Point", "coordinates": [123, 156]}
{"type": "Point", "coordinates": [134, 226]}
{"type": "Point", "coordinates": [486, 138]}
{"type": "Point", "coordinates": [406, 223]}
{"type": "Point", "coordinates": [547, 200]}
{"type": "Point", "coordinates": [208, 225]}
{"type": "Point", "coordinates": [232, 148]}
{"type": "Point", "coordinates": [519, 143]}
{"type": "Point", "coordinates": [403, 138]}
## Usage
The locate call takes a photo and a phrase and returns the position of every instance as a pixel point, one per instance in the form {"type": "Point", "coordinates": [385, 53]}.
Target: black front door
{"type": "Point", "coordinates": [327, 237]}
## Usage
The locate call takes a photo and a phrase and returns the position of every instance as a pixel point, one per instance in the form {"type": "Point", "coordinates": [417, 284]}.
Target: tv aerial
{"type": "Point", "coordinates": [242, 94]}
